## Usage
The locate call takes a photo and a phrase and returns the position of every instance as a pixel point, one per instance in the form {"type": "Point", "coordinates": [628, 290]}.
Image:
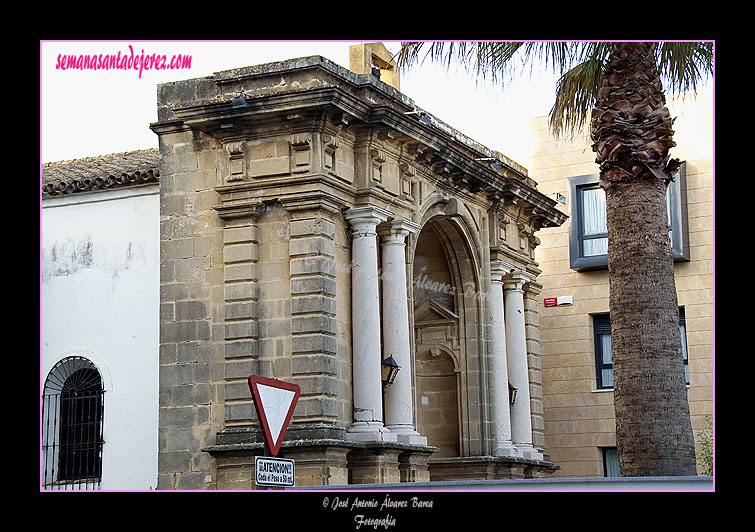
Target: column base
{"type": "Point", "coordinates": [506, 448]}
{"type": "Point", "coordinates": [407, 434]}
{"type": "Point", "coordinates": [370, 431]}
{"type": "Point", "coordinates": [526, 450]}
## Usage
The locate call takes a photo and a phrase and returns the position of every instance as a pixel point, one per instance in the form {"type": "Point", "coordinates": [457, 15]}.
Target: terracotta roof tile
{"type": "Point", "coordinates": [101, 172]}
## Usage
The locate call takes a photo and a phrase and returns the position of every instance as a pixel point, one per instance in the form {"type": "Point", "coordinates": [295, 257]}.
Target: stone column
{"type": "Point", "coordinates": [399, 404]}
{"type": "Point", "coordinates": [365, 326]}
{"type": "Point", "coordinates": [516, 349]}
{"type": "Point", "coordinates": [502, 419]}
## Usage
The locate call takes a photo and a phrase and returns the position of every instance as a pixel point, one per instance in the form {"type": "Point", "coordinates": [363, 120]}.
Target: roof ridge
{"type": "Point", "coordinates": [86, 174]}
{"type": "Point", "coordinates": [100, 157]}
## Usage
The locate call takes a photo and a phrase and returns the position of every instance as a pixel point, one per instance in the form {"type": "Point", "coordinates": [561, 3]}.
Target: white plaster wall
{"type": "Point", "coordinates": [100, 299]}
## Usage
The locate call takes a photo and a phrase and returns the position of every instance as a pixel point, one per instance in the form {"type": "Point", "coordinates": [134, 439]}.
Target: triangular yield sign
{"type": "Point", "coordinates": [274, 401]}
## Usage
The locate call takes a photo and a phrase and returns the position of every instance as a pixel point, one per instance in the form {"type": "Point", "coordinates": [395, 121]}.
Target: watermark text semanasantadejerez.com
{"type": "Point", "coordinates": [123, 60]}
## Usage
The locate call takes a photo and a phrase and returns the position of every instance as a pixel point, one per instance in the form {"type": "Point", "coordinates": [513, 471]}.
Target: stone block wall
{"type": "Point", "coordinates": [192, 296]}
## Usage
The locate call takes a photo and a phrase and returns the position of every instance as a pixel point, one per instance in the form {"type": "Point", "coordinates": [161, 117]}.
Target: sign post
{"type": "Point", "coordinates": [274, 402]}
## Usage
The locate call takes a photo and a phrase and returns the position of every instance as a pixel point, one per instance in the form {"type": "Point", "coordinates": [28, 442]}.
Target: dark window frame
{"type": "Point", "coordinates": [602, 325]}
{"type": "Point", "coordinates": [677, 204]}
{"type": "Point", "coordinates": [610, 453]}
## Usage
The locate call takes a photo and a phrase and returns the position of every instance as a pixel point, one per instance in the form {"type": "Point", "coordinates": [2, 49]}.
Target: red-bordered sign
{"type": "Point", "coordinates": [274, 401]}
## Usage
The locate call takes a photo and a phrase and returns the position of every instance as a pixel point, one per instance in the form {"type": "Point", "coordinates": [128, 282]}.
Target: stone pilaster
{"type": "Point", "coordinates": [314, 366]}
{"type": "Point", "coordinates": [532, 321]}
{"type": "Point", "coordinates": [240, 300]}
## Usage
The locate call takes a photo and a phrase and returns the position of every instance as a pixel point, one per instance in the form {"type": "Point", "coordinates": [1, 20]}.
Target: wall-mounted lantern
{"type": "Point", "coordinates": [389, 370]}
{"type": "Point", "coordinates": [512, 395]}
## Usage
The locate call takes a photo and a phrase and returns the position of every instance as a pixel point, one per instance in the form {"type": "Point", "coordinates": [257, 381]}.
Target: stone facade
{"type": "Point", "coordinates": [579, 417]}
{"type": "Point", "coordinates": [314, 221]}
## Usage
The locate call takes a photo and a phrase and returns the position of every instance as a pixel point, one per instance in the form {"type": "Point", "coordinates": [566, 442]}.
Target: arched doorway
{"type": "Point", "coordinates": [446, 326]}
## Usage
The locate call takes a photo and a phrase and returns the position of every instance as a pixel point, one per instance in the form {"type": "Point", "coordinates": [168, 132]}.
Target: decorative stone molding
{"type": "Point", "coordinates": [330, 145]}
{"type": "Point", "coordinates": [236, 162]}
{"type": "Point", "coordinates": [377, 158]}
{"type": "Point", "coordinates": [301, 152]}
{"type": "Point", "coordinates": [408, 181]}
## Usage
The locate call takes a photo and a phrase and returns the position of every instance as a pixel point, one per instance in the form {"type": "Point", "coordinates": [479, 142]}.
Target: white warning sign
{"type": "Point", "coordinates": [270, 471]}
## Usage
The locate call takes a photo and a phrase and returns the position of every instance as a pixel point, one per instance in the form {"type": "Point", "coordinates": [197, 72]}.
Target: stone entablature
{"type": "Point", "coordinates": [286, 222]}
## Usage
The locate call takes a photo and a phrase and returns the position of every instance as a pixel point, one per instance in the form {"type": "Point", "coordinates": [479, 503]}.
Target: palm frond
{"type": "Point", "coordinates": [497, 59]}
{"type": "Point", "coordinates": [578, 89]}
{"type": "Point", "coordinates": [683, 64]}
{"type": "Point", "coordinates": [578, 64]}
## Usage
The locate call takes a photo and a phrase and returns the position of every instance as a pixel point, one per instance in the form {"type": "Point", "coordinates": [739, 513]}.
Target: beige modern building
{"type": "Point", "coordinates": [575, 347]}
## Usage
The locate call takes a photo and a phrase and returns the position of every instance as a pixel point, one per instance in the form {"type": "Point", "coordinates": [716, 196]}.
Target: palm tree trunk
{"type": "Point", "coordinates": [632, 136]}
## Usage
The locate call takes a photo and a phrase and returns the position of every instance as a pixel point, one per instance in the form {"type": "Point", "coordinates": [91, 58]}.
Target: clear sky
{"type": "Point", "coordinates": [86, 113]}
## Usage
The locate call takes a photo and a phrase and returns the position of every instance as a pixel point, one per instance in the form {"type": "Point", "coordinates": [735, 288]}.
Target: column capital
{"type": "Point", "coordinates": [396, 230]}
{"type": "Point", "coordinates": [365, 219]}
{"type": "Point", "coordinates": [368, 213]}
{"type": "Point", "coordinates": [499, 268]}
{"type": "Point", "coordinates": [515, 280]}
{"type": "Point", "coordinates": [244, 209]}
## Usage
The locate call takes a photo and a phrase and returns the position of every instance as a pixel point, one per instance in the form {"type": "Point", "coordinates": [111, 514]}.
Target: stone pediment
{"type": "Point", "coordinates": [433, 313]}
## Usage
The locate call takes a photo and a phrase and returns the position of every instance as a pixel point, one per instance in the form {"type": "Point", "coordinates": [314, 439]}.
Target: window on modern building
{"type": "Point", "coordinates": [683, 331]}
{"type": "Point", "coordinates": [72, 416]}
{"type": "Point", "coordinates": [604, 359]}
{"type": "Point", "coordinates": [588, 235]}
{"type": "Point", "coordinates": [610, 462]}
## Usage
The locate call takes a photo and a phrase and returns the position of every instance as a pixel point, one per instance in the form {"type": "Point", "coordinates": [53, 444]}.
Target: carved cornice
{"type": "Point", "coordinates": [316, 90]}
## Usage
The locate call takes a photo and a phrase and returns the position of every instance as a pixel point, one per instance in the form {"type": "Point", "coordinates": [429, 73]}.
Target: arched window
{"type": "Point", "coordinates": [72, 408]}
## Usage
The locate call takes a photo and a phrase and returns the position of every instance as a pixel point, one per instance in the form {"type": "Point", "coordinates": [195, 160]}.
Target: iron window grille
{"type": "Point", "coordinates": [72, 416]}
